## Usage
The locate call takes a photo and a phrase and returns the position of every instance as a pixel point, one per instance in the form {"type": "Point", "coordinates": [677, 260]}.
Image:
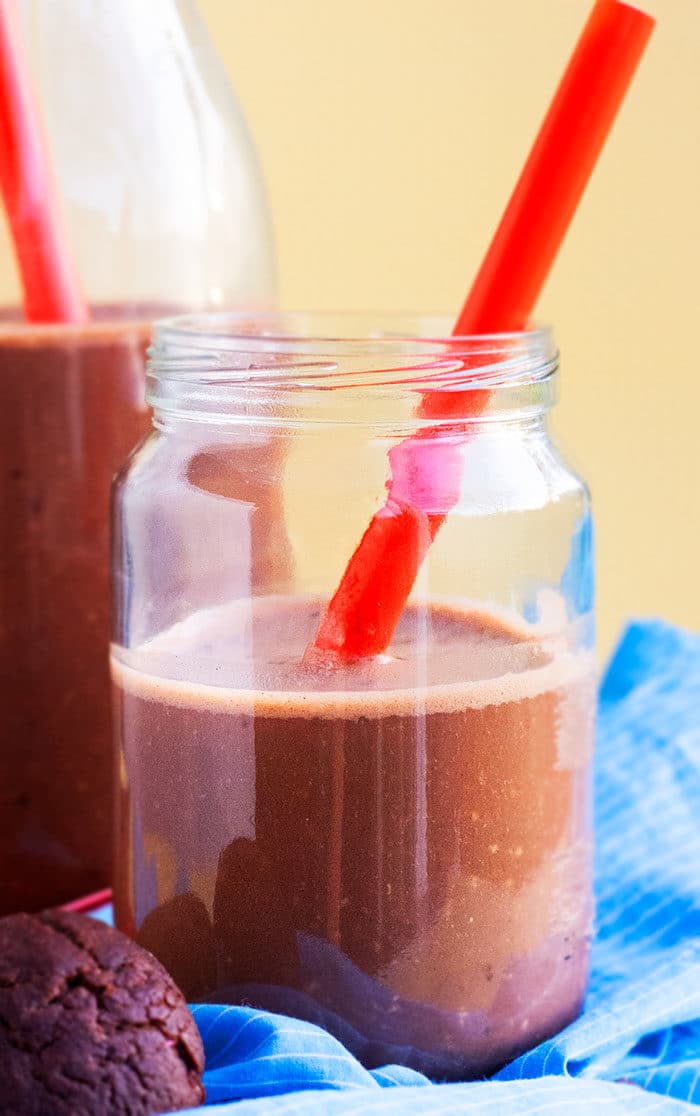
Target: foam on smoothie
{"type": "Point", "coordinates": [468, 657]}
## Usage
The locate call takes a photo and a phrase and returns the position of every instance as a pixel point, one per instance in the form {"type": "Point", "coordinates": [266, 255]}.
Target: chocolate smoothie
{"type": "Point", "coordinates": [72, 407]}
{"type": "Point", "coordinates": [399, 850]}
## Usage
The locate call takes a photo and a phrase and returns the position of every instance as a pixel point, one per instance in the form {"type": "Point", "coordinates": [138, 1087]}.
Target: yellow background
{"type": "Point", "coordinates": [391, 132]}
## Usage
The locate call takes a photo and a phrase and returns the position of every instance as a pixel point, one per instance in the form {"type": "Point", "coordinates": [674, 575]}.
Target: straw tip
{"type": "Point", "coordinates": [642, 18]}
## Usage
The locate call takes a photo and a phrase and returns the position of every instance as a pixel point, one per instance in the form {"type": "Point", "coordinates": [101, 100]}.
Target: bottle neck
{"type": "Point", "coordinates": [161, 189]}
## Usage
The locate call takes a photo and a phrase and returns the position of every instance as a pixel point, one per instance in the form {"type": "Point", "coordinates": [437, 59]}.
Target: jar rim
{"type": "Point", "coordinates": [237, 357]}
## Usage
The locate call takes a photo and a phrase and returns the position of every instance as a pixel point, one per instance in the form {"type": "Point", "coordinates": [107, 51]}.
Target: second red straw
{"type": "Point", "coordinates": [362, 615]}
{"type": "Point", "coordinates": [49, 278]}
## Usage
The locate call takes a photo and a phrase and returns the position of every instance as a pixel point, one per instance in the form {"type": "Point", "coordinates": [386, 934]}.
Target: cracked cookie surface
{"type": "Point", "coordinates": [90, 1023]}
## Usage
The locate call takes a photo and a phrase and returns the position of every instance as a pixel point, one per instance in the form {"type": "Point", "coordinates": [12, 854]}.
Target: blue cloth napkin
{"type": "Point", "coordinates": [636, 1048]}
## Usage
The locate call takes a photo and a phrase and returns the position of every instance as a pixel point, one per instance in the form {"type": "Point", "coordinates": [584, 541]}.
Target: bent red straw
{"type": "Point", "coordinates": [49, 279]}
{"type": "Point", "coordinates": [362, 615]}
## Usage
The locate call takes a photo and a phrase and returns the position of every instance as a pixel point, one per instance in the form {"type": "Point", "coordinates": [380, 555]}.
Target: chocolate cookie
{"type": "Point", "coordinates": [90, 1023]}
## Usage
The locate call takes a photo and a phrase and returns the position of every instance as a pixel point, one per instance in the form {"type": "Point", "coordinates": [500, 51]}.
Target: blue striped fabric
{"type": "Point", "coordinates": [636, 1048]}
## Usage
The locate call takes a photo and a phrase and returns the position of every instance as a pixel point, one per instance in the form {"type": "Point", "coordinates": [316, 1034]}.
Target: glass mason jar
{"type": "Point", "coordinates": [396, 847]}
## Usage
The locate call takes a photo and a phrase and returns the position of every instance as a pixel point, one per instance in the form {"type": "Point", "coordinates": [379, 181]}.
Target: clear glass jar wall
{"type": "Point", "coordinates": [398, 847]}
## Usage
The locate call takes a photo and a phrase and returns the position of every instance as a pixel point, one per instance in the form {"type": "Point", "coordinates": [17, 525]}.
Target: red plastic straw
{"type": "Point", "coordinates": [51, 288]}
{"type": "Point", "coordinates": [362, 615]}
{"type": "Point", "coordinates": [88, 903]}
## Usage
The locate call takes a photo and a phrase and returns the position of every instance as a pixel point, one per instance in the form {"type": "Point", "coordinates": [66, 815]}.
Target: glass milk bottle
{"type": "Point", "coordinates": [164, 207]}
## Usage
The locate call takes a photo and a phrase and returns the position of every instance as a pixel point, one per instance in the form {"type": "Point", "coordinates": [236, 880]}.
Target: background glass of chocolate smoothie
{"type": "Point", "coordinates": [73, 407]}
{"type": "Point", "coordinates": [396, 847]}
